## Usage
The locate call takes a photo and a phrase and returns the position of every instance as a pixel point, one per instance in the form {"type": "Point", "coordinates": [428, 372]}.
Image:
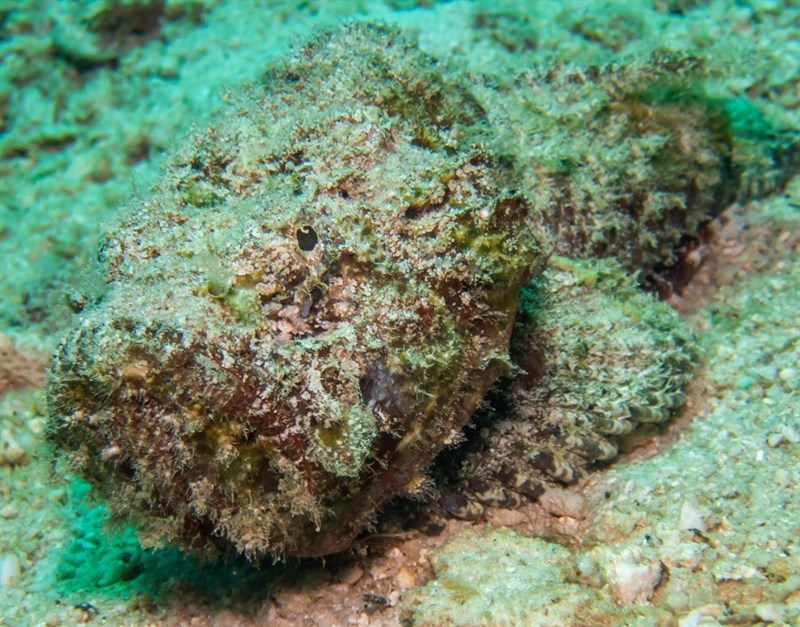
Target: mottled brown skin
{"type": "Point", "coordinates": [597, 359]}
{"type": "Point", "coordinates": [628, 176]}
{"type": "Point", "coordinates": [314, 300]}
{"type": "Point", "coordinates": [321, 290]}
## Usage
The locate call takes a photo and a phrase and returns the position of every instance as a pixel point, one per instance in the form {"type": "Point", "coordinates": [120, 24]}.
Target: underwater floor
{"type": "Point", "coordinates": [698, 524]}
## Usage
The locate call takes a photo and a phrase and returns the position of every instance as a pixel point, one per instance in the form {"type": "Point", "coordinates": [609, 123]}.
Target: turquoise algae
{"type": "Point", "coordinates": [320, 292]}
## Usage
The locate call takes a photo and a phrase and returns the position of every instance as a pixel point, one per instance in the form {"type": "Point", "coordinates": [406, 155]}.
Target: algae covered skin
{"type": "Point", "coordinates": [312, 302]}
{"type": "Point", "coordinates": [597, 358]}
{"type": "Point", "coordinates": [321, 290]}
{"type": "Point", "coordinates": [622, 161]}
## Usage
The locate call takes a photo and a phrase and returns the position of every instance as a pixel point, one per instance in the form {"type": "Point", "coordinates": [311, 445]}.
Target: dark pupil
{"type": "Point", "coordinates": [307, 238]}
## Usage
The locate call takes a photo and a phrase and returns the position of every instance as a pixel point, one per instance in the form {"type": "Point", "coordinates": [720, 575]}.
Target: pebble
{"type": "Point", "coordinates": [774, 440]}
{"type": "Point", "coordinates": [632, 578]}
{"type": "Point", "coordinates": [770, 612]}
{"type": "Point", "coordinates": [690, 517]}
{"type": "Point", "coordinates": [12, 455]}
{"type": "Point", "coordinates": [779, 569]}
{"type": "Point", "coordinates": [760, 559]}
{"type": "Point", "coordinates": [9, 512]}
{"type": "Point", "coordinates": [777, 285]}
{"type": "Point", "coordinates": [682, 554]}
{"type": "Point", "coordinates": [767, 373]}
{"type": "Point", "coordinates": [691, 620]}
{"type": "Point", "coordinates": [406, 578]}
{"type": "Point", "coordinates": [783, 478]}
{"type": "Point", "coordinates": [678, 600]}
{"type": "Point", "coordinates": [788, 588]}
{"type": "Point", "coordinates": [733, 570]}
{"type": "Point", "coordinates": [791, 433]}
{"type": "Point", "coordinates": [778, 394]}
{"type": "Point", "coordinates": [788, 374]}
{"type": "Point", "coordinates": [9, 569]}
{"type": "Point", "coordinates": [745, 382]}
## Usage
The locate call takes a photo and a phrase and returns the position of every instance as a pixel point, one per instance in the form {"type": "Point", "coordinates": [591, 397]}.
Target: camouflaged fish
{"type": "Point", "coordinates": [321, 290]}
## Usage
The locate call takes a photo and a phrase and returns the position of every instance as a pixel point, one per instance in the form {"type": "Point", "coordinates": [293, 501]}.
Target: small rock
{"type": "Point", "coordinates": [732, 570]}
{"type": "Point", "coordinates": [58, 496]}
{"type": "Point", "coordinates": [590, 574]}
{"type": "Point", "coordinates": [774, 440]}
{"type": "Point", "coordinates": [691, 620]}
{"type": "Point", "coordinates": [406, 578]}
{"type": "Point", "coordinates": [791, 433]}
{"type": "Point", "coordinates": [9, 569]}
{"type": "Point", "coordinates": [779, 570]}
{"type": "Point", "coordinates": [745, 382]}
{"type": "Point", "coordinates": [783, 478]}
{"type": "Point", "coordinates": [766, 373]}
{"type": "Point", "coordinates": [678, 600]}
{"type": "Point", "coordinates": [760, 559]}
{"type": "Point", "coordinates": [9, 512]}
{"type": "Point", "coordinates": [770, 612]}
{"type": "Point", "coordinates": [787, 588]}
{"type": "Point", "coordinates": [632, 580]}
{"type": "Point", "coordinates": [777, 394]}
{"type": "Point", "coordinates": [683, 555]}
{"type": "Point", "coordinates": [787, 374]}
{"type": "Point", "coordinates": [691, 517]}
{"type": "Point", "coordinates": [36, 426]}
{"type": "Point", "coordinates": [11, 454]}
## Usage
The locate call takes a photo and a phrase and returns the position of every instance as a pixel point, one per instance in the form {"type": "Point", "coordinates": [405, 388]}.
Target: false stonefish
{"type": "Point", "coordinates": [321, 290]}
{"type": "Point", "coordinates": [310, 304]}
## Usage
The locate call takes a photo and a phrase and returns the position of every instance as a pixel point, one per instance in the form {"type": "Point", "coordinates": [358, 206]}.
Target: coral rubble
{"type": "Point", "coordinates": [19, 368]}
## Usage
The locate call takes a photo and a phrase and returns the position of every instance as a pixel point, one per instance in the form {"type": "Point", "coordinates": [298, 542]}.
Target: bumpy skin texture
{"type": "Point", "coordinates": [598, 358]}
{"type": "Point", "coordinates": [620, 161]}
{"type": "Point", "coordinates": [321, 291]}
{"type": "Point", "coordinates": [315, 299]}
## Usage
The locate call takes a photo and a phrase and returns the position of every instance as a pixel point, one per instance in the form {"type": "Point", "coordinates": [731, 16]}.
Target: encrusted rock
{"type": "Point", "coordinates": [632, 575]}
